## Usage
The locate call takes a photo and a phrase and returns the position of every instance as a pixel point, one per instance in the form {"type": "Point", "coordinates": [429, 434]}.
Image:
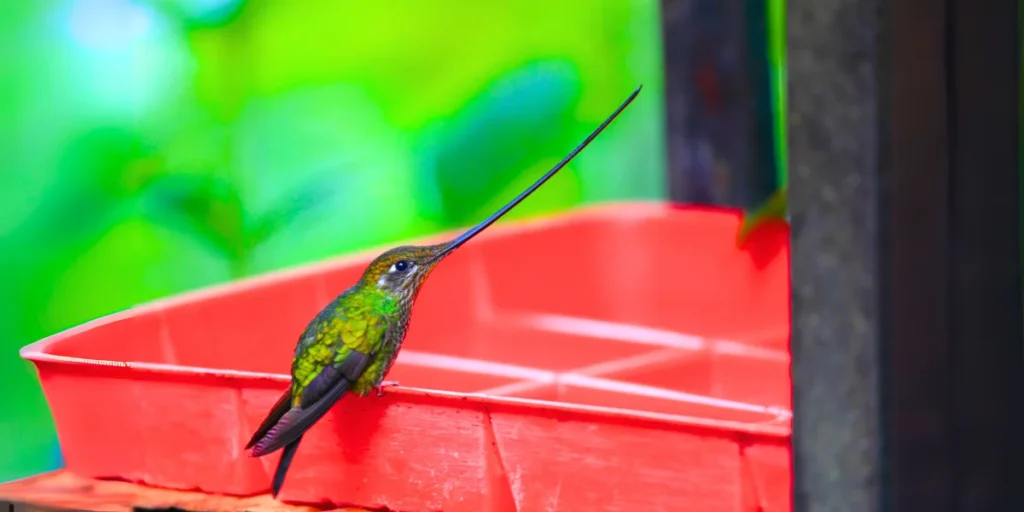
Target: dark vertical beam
{"type": "Point", "coordinates": [908, 355]}
{"type": "Point", "coordinates": [718, 103]}
{"type": "Point", "coordinates": [763, 173]}
{"type": "Point", "coordinates": [914, 241]}
{"type": "Point", "coordinates": [987, 348]}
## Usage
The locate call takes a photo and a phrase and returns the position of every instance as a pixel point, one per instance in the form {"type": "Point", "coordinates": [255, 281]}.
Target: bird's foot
{"type": "Point", "coordinates": [383, 383]}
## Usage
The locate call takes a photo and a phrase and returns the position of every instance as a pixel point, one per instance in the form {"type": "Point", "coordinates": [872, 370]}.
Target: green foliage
{"type": "Point", "coordinates": [777, 57]}
{"type": "Point", "coordinates": [209, 207]}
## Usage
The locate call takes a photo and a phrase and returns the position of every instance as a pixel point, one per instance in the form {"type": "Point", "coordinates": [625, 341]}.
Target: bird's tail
{"type": "Point", "coordinates": [294, 423]}
{"type": "Point", "coordinates": [284, 428]}
{"type": "Point", "coordinates": [282, 465]}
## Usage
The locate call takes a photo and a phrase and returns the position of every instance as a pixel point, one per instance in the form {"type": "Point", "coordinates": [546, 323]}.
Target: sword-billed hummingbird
{"type": "Point", "coordinates": [352, 343]}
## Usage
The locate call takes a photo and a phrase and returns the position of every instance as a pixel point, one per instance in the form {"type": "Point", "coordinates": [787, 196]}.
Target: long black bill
{"type": "Point", "coordinates": [475, 230]}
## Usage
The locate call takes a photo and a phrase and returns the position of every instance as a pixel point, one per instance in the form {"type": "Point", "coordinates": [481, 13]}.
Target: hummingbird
{"type": "Point", "coordinates": [351, 344]}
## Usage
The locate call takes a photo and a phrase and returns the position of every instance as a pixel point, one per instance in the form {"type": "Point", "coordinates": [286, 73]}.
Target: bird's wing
{"type": "Point", "coordinates": [316, 399]}
{"type": "Point", "coordinates": [350, 367]}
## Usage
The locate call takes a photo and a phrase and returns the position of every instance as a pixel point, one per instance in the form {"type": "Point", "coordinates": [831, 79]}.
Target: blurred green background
{"type": "Point", "coordinates": [152, 147]}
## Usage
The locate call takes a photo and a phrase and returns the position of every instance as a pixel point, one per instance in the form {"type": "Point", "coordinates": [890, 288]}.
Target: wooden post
{"type": "Point", "coordinates": [908, 354]}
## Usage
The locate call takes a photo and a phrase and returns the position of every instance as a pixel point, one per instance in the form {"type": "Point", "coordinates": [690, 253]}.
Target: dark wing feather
{"type": "Point", "coordinates": [353, 364]}
{"type": "Point", "coordinates": [280, 408]}
{"type": "Point", "coordinates": [317, 398]}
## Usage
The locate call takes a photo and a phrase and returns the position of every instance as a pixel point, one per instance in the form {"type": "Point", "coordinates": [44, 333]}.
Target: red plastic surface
{"type": "Point", "coordinates": [621, 357]}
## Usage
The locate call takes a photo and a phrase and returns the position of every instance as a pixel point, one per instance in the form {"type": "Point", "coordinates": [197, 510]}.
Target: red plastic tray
{"type": "Point", "coordinates": [621, 357]}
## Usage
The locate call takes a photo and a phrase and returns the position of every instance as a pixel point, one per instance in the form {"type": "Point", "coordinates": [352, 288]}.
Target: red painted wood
{"type": "Point", "coordinates": [769, 465]}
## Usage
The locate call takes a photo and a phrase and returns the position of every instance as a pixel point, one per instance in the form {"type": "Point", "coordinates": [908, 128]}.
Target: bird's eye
{"type": "Point", "coordinates": [402, 266]}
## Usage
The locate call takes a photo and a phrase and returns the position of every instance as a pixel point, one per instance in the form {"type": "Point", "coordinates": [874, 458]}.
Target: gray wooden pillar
{"type": "Point", "coordinates": [908, 354]}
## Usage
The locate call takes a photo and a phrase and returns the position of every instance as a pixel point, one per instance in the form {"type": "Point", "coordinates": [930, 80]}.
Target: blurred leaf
{"type": "Point", "coordinates": [194, 14]}
{"type": "Point", "coordinates": [310, 196]}
{"type": "Point", "coordinates": [137, 260]}
{"type": "Point", "coordinates": [210, 206]}
{"type": "Point", "coordinates": [206, 205]}
{"type": "Point", "coordinates": [772, 210]}
{"type": "Point", "coordinates": [99, 170]}
{"type": "Point", "coordinates": [512, 124]}
{"type": "Point", "coordinates": [337, 136]}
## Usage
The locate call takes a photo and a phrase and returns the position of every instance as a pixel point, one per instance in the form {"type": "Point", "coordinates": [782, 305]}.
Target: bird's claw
{"type": "Point", "coordinates": [380, 391]}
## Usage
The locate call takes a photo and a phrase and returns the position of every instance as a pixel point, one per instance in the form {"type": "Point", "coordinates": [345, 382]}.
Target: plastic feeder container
{"type": "Point", "coordinates": [621, 357]}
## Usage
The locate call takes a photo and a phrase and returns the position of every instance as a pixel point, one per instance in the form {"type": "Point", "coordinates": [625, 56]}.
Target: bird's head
{"type": "Point", "coordinates": [402, 270]}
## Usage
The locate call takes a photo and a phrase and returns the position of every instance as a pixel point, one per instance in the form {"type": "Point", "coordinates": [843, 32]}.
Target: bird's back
{"type": "Point", "coordinates": [345, 323]}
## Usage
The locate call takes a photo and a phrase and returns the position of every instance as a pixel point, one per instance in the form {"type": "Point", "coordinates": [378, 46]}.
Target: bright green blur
{"type": "Point", "coordinates": [777, 58]}
{"type": "Point", "coordinates": [151, 147]}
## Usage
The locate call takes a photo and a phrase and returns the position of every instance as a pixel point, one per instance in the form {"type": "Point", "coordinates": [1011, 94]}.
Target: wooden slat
{"type": "Point", "coordinates": [63, 491]}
